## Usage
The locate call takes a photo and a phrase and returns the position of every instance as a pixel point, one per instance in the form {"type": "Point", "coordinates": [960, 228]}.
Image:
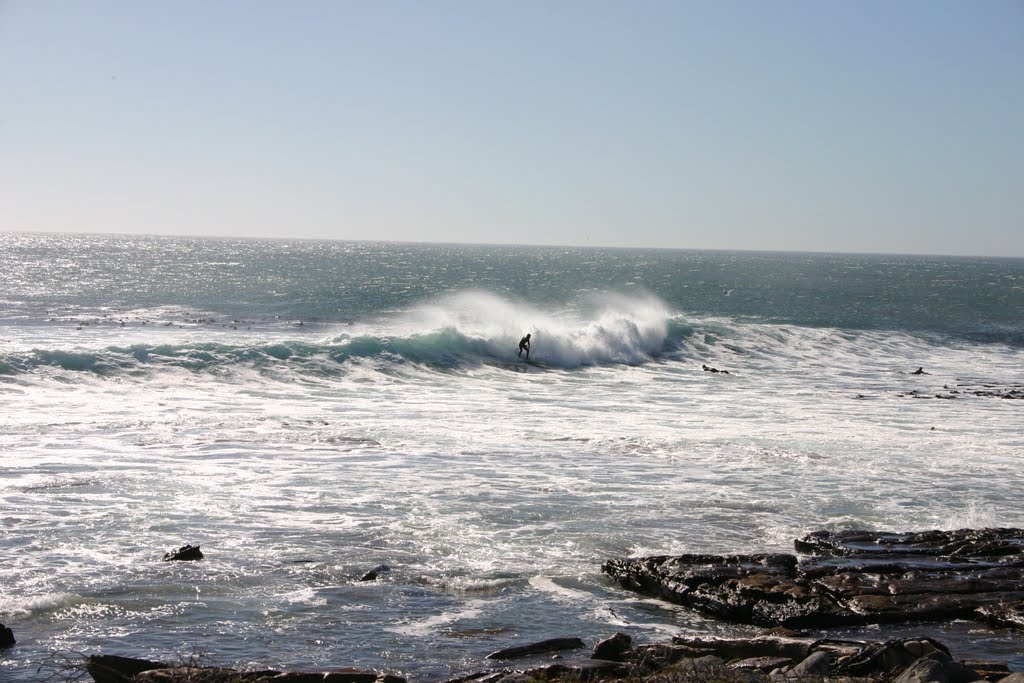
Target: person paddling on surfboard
{"type": "Point", "coordinates": [524, 345]}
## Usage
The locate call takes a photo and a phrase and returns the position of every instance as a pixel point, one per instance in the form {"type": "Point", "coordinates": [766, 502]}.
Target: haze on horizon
{"type": "Point", "coordinates": [789, 126]}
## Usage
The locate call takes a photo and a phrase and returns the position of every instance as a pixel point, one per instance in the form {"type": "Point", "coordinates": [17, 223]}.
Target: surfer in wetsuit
{"type": "Point", "coordinates": [524, 345]}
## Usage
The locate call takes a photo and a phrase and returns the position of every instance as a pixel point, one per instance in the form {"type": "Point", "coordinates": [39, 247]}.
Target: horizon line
{"type": "Point", "coordinates": [425, 242]}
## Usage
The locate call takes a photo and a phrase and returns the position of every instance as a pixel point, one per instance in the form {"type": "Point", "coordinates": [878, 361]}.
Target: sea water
{"type": "Point", "coordinates": [309, 410]}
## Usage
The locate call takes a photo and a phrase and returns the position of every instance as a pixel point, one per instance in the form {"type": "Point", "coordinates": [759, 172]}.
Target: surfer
{"type": "Point", "coordinates": [524, 345]}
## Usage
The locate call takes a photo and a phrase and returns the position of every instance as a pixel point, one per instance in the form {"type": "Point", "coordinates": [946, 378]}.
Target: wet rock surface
{"type": "Point", "coordinates": [375, 572]}
{"type": "Point", "coordinates": [612, 649]}
{"type": "Point", "coordinates": [186, 553]}
{"type": "Point", "coordinates": [849, 578]}
{"type": "Point", "coordinates": [115, 669]}
{"type": "Point", "coordinates": [6, 636]}
{"type": "Point", "coordinates": [766, 659]}
{"type": "Point", "coordinates": [1004, 614]}
{"type": "Point", "coordinates": [757, 660]}
{"type": "Point", "coordinates": [550, 645]}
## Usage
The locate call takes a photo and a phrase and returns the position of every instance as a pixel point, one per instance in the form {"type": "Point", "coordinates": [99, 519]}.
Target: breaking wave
{"type": "Point", "coordinates": [474, 329]}
{"type": "Point", "coordinates": [466, 330]}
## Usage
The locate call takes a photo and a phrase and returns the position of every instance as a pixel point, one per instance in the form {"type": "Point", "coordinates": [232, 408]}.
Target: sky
{"type": "Point", "coordinates": [869, 126]}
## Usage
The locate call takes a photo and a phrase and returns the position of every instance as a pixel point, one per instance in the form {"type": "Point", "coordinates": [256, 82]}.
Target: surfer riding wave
{"type": "Point", "coordinates": [524, 345]}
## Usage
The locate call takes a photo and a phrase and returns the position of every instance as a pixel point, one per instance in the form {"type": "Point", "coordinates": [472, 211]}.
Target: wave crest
{"type": "Point", "coordinates": [465, 330]}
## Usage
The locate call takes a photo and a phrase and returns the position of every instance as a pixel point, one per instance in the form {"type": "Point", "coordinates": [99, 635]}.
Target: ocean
{"type": "Point", "coordinates": [309, 410]}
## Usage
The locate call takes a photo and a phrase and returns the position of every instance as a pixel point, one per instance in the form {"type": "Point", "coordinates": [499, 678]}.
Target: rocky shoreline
{"type": "Point", "coordinates": [839, 579]}
{"type": "Point", "coordinates": [847, 578]}
{"type": "Point", "coordinates": [767, 659]}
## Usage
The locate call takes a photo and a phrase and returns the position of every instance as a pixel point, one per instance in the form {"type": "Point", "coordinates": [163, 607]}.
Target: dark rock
{"type": "Point", "coordinates": [115, 669]}
{"type": "Point", "coordinates": [817, 664]}
{"type": "Point", "coordinates": [591, 668]}
{"type": "Point", "coordinates": [186, 553]}
{"type": "Point", "coordinates": [832, 659]}
{"type": "Point", "coordinates": [854, 577]}
{"type": "Point", "coordinates": [784, 632]}
{"type": "Point", "coordinates": [937, 668]}
{"type": "Point", "coordinates": [375, 572]}
{"type": "Point", "coordinates": [479, 677]}
{"type": "Point", "coordinates": [764, 664]}
{"type": "Point", "coordinates": [309, 677]}
{"type": "Point", "coordinates": [192, 674]}
{"type": "Point", "coordinates": [706, 668]}
{"type": "Point", "coordinates": [353, 676]}
{"type": "Point", "coordinates": [213, 674]}
{"type": "Point", "coordinates": [892, 656]}
{"type": "Point", "coordinates": [974, 544]}
{"type": "Point", "coordinates": [550, 645]}
{"type": "Point", "coordinates": [987, 668]}
{"type": "Point", "coordinates": [6, 637]}
{"type": "Point", "coordinates": [730, 649]}
{"type": "Point", "coordinates": [508, 676]}
{"type": "Point", "coordinates": [1012, 391]}
{"type": "Point", "coordinates": [660, 655]}
{"type": "Point", "coordinates": [612, 649]}
{"type": "Point", "coordinates": [1004, 614]}
{"type": "Point", "coordinates": [580, 670]}
{"type": "Point", "coordinates": [756, 589]}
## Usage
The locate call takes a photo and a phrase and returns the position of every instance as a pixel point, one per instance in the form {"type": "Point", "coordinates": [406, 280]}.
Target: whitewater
{"type": "Point", "coordinates": [307, 411]}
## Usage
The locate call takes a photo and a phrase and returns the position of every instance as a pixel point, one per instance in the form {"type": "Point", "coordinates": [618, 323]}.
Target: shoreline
{"type": "Point", "coordinates": [763, 659]}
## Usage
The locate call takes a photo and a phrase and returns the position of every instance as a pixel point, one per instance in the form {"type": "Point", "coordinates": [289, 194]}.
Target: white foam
{"type": "Point", "coordinates": [973, 516]}
{"type": "Point", "coordinates": [430, 625]}
{"type": "Point", "coordinates": [548, 585]}
{"type": "Point", "coordinates": [611, 328]}
{"type": "Point", "coordinates": [34, 604]}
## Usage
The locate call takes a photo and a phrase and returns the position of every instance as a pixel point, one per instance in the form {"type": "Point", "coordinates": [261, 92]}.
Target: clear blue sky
{"type": "Point", "coordinates": [878, 126]}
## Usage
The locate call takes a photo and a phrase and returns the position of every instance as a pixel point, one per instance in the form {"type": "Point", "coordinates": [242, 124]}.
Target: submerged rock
{"type": "Point", "coordinates": [186, 553]}
{"type": "Point", "coordinates": [853, 577]}
{"type": "Point", "coordinates": [375, 572]}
